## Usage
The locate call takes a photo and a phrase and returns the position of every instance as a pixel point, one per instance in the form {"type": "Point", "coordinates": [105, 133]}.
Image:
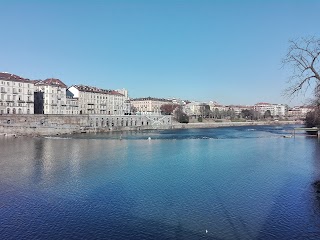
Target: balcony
{"type": "Point", "coordinates": [90, 103]}
{"type": "Point", "coordinates": [21, 101]}
{"type": "Point", "coordinates": [3, 90]}
{"type": "Point", "coordinates": [30, 101]}
{"type": "Point", "coordinates": [30, 93]}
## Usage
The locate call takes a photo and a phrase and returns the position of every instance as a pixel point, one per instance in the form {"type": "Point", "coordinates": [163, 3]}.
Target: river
{"type": "Point", "coordinates": [221, 183]}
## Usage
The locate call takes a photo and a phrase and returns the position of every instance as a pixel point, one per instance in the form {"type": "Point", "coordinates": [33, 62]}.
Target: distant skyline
{"type": "Point", "coordinates": [224, 51]}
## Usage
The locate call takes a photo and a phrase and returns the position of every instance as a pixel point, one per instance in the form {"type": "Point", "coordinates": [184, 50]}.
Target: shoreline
{"type": "Point", "coordinates": [211, 124]}
{"type": "Point", "coordinates": [175, 125]}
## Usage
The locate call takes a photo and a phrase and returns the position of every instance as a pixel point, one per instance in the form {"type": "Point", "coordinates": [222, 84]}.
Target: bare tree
{"type": "Point", "coordinates": [303, 56]}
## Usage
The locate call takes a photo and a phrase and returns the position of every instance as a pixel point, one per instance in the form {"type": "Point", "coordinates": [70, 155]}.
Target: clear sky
{"type": "Point", "coordinates": [226, 51]}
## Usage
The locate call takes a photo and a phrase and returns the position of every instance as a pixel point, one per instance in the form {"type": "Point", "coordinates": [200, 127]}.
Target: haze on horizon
{"type": "Point", "coordinates": [224, 51]}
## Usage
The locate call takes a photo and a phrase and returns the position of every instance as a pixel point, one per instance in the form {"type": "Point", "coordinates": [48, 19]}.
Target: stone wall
{"type": "Point", "coordinates": [43, 124]}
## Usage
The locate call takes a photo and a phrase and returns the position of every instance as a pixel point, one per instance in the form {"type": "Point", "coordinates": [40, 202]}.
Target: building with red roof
{"type": "Point", "coordinates": [93, 100]}
{"type": "Point", "coordinates": [16, 94]}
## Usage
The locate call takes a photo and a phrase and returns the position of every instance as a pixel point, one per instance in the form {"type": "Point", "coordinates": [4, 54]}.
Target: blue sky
{"type": "Point", "coordinates": [225, 51]}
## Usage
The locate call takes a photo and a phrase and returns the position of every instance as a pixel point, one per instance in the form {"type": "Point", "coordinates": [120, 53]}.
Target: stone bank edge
{"type": "Point", "coordinates": [48, 125]}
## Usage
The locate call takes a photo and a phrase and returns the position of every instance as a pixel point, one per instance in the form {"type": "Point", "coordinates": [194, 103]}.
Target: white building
{"type": "Point", "coordinates": [72, 105]}
{"type": "Point", "coordinates": [275, 109]}
{"type": "Point", "coordinates": [299, 112]}
{"type": "Point", "coordinates": [214, 105]}
{"type": "Point", "coordinates": [92, 100]}
{"type": "Point", "coordinates": [239, 108]}
{"type": "Point", "coordinates": [149, 105]}
{"type": "Point", "coordinates": [50, 96]}
{"type": "Point", "coordinates": [193, 108]}
{"type": "Point", "coordinates": [16, 94]}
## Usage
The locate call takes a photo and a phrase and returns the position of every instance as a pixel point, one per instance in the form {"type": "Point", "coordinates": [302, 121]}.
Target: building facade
{"type": "Point", "coordinates": [149, 105]}
{"type": "Point", "coordinates": [275, 109]}
{"type": "Point", "coordinates": [16, 94]}
{"type": "Point", "coordinates": [50, 96]}
{"type": "Point", "coordinates": [299, 112]}
{"type": "Point", "coordinates": [92, 100]}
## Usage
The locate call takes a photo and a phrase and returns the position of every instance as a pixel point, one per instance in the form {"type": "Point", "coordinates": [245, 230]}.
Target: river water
{"type": "Point", "coordinates": [223, 183]}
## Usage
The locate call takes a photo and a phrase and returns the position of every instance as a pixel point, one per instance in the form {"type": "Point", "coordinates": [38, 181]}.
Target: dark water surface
{"type": "Point", "coordinates": [223, 183]}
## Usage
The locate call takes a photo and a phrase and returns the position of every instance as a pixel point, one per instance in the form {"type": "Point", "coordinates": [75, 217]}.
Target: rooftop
{"type": "Point", "coordinates": [50, 82]}
{"type": "Point", "coordinates": [151, 99]}
{"type": "Point", "coordinates": [13, 77]}
{"type": "Point", "coordinates": [84, 88]}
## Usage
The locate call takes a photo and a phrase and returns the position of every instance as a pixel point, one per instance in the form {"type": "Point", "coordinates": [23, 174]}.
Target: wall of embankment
{"type": "Point", "coordinates": [43, 124]}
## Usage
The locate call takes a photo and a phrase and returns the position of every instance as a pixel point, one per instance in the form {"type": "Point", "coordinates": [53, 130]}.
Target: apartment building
{"type": "Point", "coordinates": [275, 109]}
{"type": "Point", "coordinates": [238, 108]}
{"type": "Point", "coordinates": [193, 108]}
{"type": "Point", "coordinates": [93, 100]}
{"type": "Point", "coordinates": [299, 112]}
{"type": "Point", "coordinates": [214, 105]}
{"type": "Point", "coordinates": [16, 94]}
{"type": "Point", "coordinates": [72, 105]}
{"type": "Point", "coordinates": [149, 105]}
{"type": "Point", "coordinates": [50, 96]}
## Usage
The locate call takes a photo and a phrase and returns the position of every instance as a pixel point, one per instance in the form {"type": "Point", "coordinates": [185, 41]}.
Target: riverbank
{"type": "Point", "coordinates": [49, 125]}
{"type": "Point", "coordinates": [213, 124]}
{"type": "Point", "coordinates": [52, 125]}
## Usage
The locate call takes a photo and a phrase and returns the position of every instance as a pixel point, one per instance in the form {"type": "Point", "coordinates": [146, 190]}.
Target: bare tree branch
{"type": "Point", "coordinates": [303, 58]}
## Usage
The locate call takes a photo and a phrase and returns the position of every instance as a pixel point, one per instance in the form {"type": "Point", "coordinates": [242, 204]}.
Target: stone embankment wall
{"type": "Point", "coordinates": [43, 124]}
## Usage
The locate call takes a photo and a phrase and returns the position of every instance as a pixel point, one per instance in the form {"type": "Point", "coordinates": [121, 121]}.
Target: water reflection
{"type": "Point", "coordinates": [237, 184]}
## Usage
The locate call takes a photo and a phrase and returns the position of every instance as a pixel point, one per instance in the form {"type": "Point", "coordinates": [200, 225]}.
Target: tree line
{"type": "Point", "coordinates": [206, 113]}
